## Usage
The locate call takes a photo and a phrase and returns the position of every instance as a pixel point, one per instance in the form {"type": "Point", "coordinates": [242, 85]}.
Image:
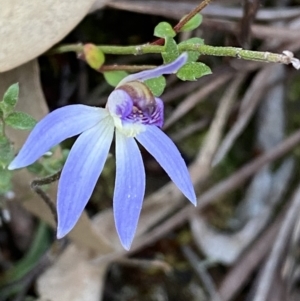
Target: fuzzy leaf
{"type": "Point", "coordinates": [93, 56]}
{"type": "Point", "coordinates": [10, 99]}
{"type": "Point", "coordinates": [20, 120]}
{"type": "Point", "coordinates": [171, 51]}
{"type": "Point", "coordinates": [156, 85]}
{"type": "Point", "coordinates": [11, 95]}
{"type": "Point", "coordinates": [163, 30]}
{"type": "Point", "coordinates": [114, 77]}
{"type": "Point", "coordinates": [6, 152]}
{"type": "Point", "coordinates": [192, 71]}
{"type": "Point", "coordinates": [192, 24]}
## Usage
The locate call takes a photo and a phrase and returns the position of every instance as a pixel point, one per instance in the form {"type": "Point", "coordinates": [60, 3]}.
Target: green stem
{"type": "Point", "coordinates": [201, 49]}
{"type": "Point", "coordinates": [2, 127]}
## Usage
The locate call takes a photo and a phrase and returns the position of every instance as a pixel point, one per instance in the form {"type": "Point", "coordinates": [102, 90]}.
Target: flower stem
{"type": "Point", "coordinates": [35, 186]}
{"type": "Point", "coordinates": [201, 49]}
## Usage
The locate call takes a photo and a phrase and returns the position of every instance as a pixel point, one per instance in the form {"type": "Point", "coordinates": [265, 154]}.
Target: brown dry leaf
{"type": "Point", "coordinates": [29, 28]}
{"type": "Point", "coordinates": [72, 278]}
{"type": "Point", "coordinates": [31, 101]}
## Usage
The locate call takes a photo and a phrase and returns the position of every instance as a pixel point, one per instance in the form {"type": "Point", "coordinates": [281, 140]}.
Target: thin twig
{"type": "Point", "coordinates": [201, 272]}
{"type": "Point", "coordinates": [35, 186]}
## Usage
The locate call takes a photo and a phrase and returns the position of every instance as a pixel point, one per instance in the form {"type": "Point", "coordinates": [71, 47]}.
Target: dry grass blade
{"type": "Point", "coordinates": [267, 276]}
{"type": "Point", "coordinates": [238, 275]}
{"type": "Point", "coordinates": [210, 196]}
{"type": "Point", "coordinates": [248, 106]}
{"type": "Point", "coordinates": [196, 97]}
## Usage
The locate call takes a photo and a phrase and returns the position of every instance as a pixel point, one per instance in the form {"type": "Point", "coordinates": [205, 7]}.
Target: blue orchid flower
{"type": "Point", "coordinates": [132, 113]}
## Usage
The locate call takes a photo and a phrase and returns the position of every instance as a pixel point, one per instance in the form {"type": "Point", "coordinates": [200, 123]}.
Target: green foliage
{"type": "Point", "coordinates": [171, 51]}
{"type": "Point", "coordinates": [9, 100]}
{"type": "Point", "coordinates": [93, 56]}
{"type": "Point", "coordinates": [49, 165]}
{"type": "Point", "coordinates": [114, 77]}
{"type": "Point", "coordinates": [164, 30]}
{"type": "Point", "coordinates": [17, 120]}
{"type": "Point", "coordinates": [6, 151]}
{"type": "Point", "coordinates": [192, 23]}
{"type": "Point", "coordinates": [20, 121]}
{"type": "Point", "coordinates": [192, 71]}
{"type": "Point", "coordinates": [193, 55]}
{"type": "Point", "coordinates": [5, 183]}
{"type": "Point", "coordinates": [156, 85]}
{"type": "Point", "coordinates": [11, 278]}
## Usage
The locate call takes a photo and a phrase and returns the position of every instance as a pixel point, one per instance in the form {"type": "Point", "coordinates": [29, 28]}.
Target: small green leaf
{"type": "Point", "coordinates": [6, 151]}
{"type": "Point", "coordinates": [10, 99]}
{"type": "Point", "coordinates": [192, 71]}
{"type": "Point", "coordinates": [114, 77]}
{"type": "Point", "coordinates": [192, 23]}
{"type": "Point", "coordinates": [171, 51]}
{"type": "Point", "coordinates": [11, 95]}
{"type": "Point", "coordinates": [20, 120]}
{"type": "Point", "coordinates": [163, 30]}
{"type": "Point", "coordinates": [156, 85]}
{"type": "Point", "coordinates": [93, 56]}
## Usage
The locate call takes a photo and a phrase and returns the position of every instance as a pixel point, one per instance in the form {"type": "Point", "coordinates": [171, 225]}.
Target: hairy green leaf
{"type": "Point", "coordinates": [171, 51]}
{"type": "Point", "coordinates": [193, 70]}
{"type": "Point", "coordinates": [20, 120]}
{"type": "Point", "coordinates": [156, 85]}
{"type": "Point", "coordinates": [163, 30]}
{"type": "Point", "coordinates": [192, 23]}
{"type": "Point", "coordinates": [114, 77]}
{"type": "Point", "coordinates": [6, 151]}
{"type": "Point", "coordinates": [10, 99]}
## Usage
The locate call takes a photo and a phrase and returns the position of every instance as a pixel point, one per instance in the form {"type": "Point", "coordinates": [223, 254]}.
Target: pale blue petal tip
{"type": "Point", "coordinates": [60, 234]}
{"type": "Point", "coordinates": [12, 166]}
{"type": "Point", "coordinates": [126, 244]}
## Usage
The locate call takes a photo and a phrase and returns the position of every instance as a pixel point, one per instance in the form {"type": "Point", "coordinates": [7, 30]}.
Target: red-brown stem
{"type": "Point", "coordinates": [187, 18]}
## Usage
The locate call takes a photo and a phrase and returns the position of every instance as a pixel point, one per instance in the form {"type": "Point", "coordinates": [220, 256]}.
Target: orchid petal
{"type": "Point", "coordinates": [162, 148]}
{"type": "Point", "coordinates": [119, 103]}
{"type": "Point", "coordinates": [158, 114]}
{"type": "Point", "coordinates": [54, 128]}
{"type": "Point", "coordinates": [81, 172]}
{"type": "Point", "coordinates": [173, 67]}
{"type": "Point", "coordinates": [129, 188]}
